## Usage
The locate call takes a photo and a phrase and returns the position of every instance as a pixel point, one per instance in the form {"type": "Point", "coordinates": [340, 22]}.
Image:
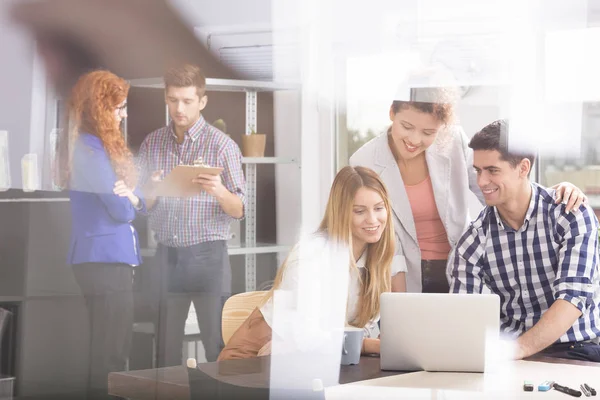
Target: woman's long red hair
{"type": "Point", "coordinates": [91, 109]}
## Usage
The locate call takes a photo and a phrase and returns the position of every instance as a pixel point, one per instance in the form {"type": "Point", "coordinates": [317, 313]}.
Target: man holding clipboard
{"type": "Point", "coordinates": [191, 213]}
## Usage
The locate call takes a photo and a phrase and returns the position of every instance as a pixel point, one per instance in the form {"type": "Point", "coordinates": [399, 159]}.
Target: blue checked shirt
{"type": "Point", "coordinates": [554, 255]}
{"type": "Point", "coordinates": [183, 222]}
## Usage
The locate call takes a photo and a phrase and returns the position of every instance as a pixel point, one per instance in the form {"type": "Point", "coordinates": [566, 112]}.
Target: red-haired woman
{"type": "Point", "coordinates": [98, 169]}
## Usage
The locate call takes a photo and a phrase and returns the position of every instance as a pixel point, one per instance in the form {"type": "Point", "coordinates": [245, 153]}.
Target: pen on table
{"type": "Point", "coordinates": [590, 389]}
{"type": "Point", "coordinates": [585, 390]}
{"type": "Point", "coordinates": [567, 390]}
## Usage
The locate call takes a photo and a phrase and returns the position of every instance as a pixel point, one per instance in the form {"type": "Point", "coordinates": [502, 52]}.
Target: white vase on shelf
{"type": "Point", "coordinates": [30, 173]}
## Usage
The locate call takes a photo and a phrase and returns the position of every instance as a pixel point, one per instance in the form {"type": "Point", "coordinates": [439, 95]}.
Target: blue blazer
{"type": "Point", "coordinates": [101, 221]}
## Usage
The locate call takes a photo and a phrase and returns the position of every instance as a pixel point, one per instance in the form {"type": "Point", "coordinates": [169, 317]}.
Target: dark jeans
{"type": "Point", "coordinates": [199, 274]}
{"type": "Point", "coordinates": [582, 351]}
{"type": "Point", "coordinates": [433, 276]}
{"type": "Point", "coordinates": [107, 289]}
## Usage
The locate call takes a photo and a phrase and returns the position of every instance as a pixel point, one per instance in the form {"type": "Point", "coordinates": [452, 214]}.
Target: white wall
{"type": "Point", "coordinates": [16, 71]}
{"type": "Point", "coordinates": [203, 13]}
{"type": "Point", "coordinates": [312, 134]}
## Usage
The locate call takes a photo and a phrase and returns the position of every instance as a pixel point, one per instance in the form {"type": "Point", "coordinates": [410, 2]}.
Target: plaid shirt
{"type": "Point", "coordinates": [554, 255]}
{"type": "Point", "coordinates": [183, 222]}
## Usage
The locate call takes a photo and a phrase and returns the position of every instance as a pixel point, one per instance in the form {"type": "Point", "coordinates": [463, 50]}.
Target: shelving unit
{"type": "Point", "coordinates": [26, 200]}
{"type": "Point", "coordinates": [250, 248]}
{"type": "Point", "coordinates": [244, 249]}
{"type": "Point", "coordinates": [268, 160]}
{"type": "Point", "coordinates": [221, 85]}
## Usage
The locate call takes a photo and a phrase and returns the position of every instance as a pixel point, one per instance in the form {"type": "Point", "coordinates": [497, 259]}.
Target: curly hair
{"type": "Point", "coordinates": [91, 109]}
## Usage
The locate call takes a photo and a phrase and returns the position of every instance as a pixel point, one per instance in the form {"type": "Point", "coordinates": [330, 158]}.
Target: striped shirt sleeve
{"type": "Point", "coordinates": [577, 258]}
{"type": "Point", "coordinates": [466, 275]}
{"type": "Point", "coordinates": [233, 175]}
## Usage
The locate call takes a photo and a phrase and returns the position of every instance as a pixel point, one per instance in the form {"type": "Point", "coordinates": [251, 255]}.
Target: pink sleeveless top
{"type": "Point", "coordinates": [431, 234]}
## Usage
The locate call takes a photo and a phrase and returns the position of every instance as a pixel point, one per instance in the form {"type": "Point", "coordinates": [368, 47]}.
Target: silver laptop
{"type": "Point", "coordinates": [438, 332]}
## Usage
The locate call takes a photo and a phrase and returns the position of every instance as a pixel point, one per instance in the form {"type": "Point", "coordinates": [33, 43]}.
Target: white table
{"type": "Point", "coordinates": [504, 383]}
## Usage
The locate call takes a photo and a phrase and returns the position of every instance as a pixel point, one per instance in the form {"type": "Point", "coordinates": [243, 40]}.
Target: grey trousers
{"type": "Point", "coordinates": [199, 274]}
{"type": "Point", "coordinates": [107, 289]}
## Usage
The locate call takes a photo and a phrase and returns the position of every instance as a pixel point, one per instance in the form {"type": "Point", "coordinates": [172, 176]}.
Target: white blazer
{"type": "Point", "coordinates": [450, 163]}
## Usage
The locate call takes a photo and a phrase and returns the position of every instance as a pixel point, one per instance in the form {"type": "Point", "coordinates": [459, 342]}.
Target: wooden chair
{"type": "Point", "coordinates": [236, 309]}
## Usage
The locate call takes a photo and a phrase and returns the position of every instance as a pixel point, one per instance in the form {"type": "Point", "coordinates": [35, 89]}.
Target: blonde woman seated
{"type": "Point", "coordinates": [358, 216]}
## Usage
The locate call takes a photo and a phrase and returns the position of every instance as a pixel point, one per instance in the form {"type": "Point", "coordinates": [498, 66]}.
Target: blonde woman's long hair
{"type": "Point", "coordinates": [337, 227]}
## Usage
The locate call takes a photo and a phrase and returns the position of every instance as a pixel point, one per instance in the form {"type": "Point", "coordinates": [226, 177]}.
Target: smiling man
{"type": "Point", "coordinates": [192, 232]}
{"type": "Point", "coordinates": [540, 260]}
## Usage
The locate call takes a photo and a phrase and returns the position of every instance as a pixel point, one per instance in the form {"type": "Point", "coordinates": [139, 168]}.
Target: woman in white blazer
{"type": "Point", "coordinates": [427, 166]}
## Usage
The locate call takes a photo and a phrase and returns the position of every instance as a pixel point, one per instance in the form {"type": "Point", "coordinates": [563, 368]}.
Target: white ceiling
{"type": "Point", "coordinates": [238, 27]}
{"type": "Point", "coordinates": [217, 13]}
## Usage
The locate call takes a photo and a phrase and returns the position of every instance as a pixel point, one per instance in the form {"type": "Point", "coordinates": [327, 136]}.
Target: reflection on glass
{"type": "Point", "coordinates": [4, 162]}
{"type": "Point", "coordinates": [368, 100]}
{"type": "Point", "coordinates": [583, 170]}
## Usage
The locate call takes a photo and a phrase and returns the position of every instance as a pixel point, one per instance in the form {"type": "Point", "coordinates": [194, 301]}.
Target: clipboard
{"type": "Point", "coordinates": [179, 181]}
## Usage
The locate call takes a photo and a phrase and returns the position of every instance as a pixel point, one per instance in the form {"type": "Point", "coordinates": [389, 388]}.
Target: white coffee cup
{"type": "Point", "coordinates": [352, 345]}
